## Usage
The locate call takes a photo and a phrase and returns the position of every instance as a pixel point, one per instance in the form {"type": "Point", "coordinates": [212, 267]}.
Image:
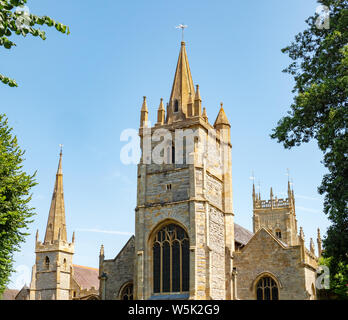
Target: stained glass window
{"type": "Point", "coordinates": [267, 289]}
{"type": "Point", "coordinates": [127, 292]}
{"type": "Point", "coordinates": [171, 260]}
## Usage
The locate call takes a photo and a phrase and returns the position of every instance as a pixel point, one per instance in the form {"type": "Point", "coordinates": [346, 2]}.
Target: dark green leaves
{"type": "Point", "coordinates": [15, 18]}
{"type": "Point", "coordinates": [15, 212]}
{"type": "Point", "coordinates": [320, 112]}
{"type": "Point", "coordinates": [8, 81]}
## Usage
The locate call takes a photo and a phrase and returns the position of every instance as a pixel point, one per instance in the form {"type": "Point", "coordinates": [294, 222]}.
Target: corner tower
{"type": "Point", "coordinates": [53, 266]}
{"type": "Point", "coordinates": [184, 230]}
{"type": "Point", "coordinates": [276, 215]}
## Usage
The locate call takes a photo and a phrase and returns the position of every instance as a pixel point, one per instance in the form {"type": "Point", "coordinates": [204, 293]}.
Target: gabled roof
{"type": "Point", "coordinates": [242, 235]}
{"type": "Point", "coordinates": [86, 277]}
{"type": "Point", "coordinates": [9, 294]}
{"type": "Point", "coordinates": [129, 242]}
{"type": "Point", "coordinates": [255, 235]}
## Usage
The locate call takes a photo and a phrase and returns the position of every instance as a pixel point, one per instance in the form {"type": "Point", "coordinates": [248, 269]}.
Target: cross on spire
{"type": "Point", "coordinates": [182, 27]}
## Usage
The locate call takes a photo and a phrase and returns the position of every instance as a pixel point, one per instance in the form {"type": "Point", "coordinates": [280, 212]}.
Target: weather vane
{"type": "Point", "coordinates": [182, 27]}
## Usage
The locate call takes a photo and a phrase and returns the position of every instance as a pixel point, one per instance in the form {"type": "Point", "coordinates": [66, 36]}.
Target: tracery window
{"type": "Point", "coordinates": [267, 289]}
{"type": "Point", "coordinates": [171, 260]}
{"type": "Point", "coordinates": [127, 292]}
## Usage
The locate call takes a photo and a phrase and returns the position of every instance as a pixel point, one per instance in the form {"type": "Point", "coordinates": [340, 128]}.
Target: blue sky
{"type": "Point", "coordinates": [84, 89]}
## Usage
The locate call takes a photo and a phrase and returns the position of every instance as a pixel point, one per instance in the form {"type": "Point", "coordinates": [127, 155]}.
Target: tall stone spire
{"type": "Point", "coordinates": [56, 227]}
{"type": "Point", "coordinates": [182, 89]}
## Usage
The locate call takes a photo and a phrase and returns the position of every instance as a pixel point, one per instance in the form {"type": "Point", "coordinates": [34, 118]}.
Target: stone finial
{"type": "Point", "coordinates": [254, 197]}
{"type": "Point", "coordinates": [221, 118]}
{"type": "Point", "coordinates": [144, 113]}
{"type": "Point", "coordinates": [301, 234]}
{"type": "Point", "coordinates": [161, 113]}
{"type": "Point", "coordinates": [197, 94]}
{"type": "Point", "coordinates": [101, 250]}
{"type": "Point", "coordinates": [37, 235]}
{"type": "Point", "coordinates": [311, 246]}
{"type": "Point", "coordinates": [197, 105]}
{"type": "Point", "coordinates": [319, 243]}
{"type": "Point", "coordinates": [144, 105]}
{"type": "Point", "coordinates": [73, 237]}
{"type": "Point", "coordinates": [205, 117]}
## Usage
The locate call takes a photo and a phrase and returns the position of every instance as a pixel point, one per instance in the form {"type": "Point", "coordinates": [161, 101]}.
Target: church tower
{"type": "Point", "coordinates": [184, 230]}
{"type": "Point", "coordinates": [53, 266]}
{"type": "Point", "coordinates": [277, 216]}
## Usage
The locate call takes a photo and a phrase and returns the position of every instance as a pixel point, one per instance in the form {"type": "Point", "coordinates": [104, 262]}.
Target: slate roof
{"type": "Point", "coordinates": [86, 277]}
{"type": "Point", "coordinates": [9, 294]}
{"type": "Point", "coordinates": [242, 235]}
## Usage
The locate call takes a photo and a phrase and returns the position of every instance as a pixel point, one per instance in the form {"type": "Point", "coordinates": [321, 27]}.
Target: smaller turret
{"type": "Point", "coordinates": [221, 119]}
{"type": "Point", "coordinates": [144, 114]}
{"type": "Point", "coordinates": [161, 113]}
{"type": "Point", "coordinates": [197, 102]}
{"type": "Point", "coordinates": [319, 243]}
{"type": "Point", "coordinates": [311, 246]}
{"type": "Point", "coordinates": [205, 117]}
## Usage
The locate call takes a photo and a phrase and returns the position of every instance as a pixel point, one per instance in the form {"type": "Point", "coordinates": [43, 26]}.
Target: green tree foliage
{"type": "Point", "coordinates": [15, 19]}
{"type": "Point", "coordinates": [338, 281]}
{"type": "Point", "coordinates": [320, 112]}
{"type": "Point", "coordinates": [15, 212]}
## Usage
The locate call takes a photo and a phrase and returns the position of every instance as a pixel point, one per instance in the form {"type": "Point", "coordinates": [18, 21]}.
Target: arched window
{"type": "Point", "coordinates": [127, 292]}
{"type": "Point", "coordinates": [267, 289]}
{"type": "Point", "coordinates": [176, 105]}
{"type": "Point", "coordinates": [171, 260]}
{"type": "Point", "coordinates": [47, 262]}
{"type": "Point", "coordinates": [278, 234]}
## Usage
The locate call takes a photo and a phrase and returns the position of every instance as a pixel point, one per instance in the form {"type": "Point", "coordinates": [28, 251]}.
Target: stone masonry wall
{"type": "Point", "coordinates": [119, 271]}
{"type": "Point", "coordinates": [264, 254]}
{"type": "Point", "coordinates": [217, 254]}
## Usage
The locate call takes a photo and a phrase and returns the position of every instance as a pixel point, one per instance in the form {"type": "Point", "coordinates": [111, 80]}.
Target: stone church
{"type": "Point", "coordinates": [186, 244]}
